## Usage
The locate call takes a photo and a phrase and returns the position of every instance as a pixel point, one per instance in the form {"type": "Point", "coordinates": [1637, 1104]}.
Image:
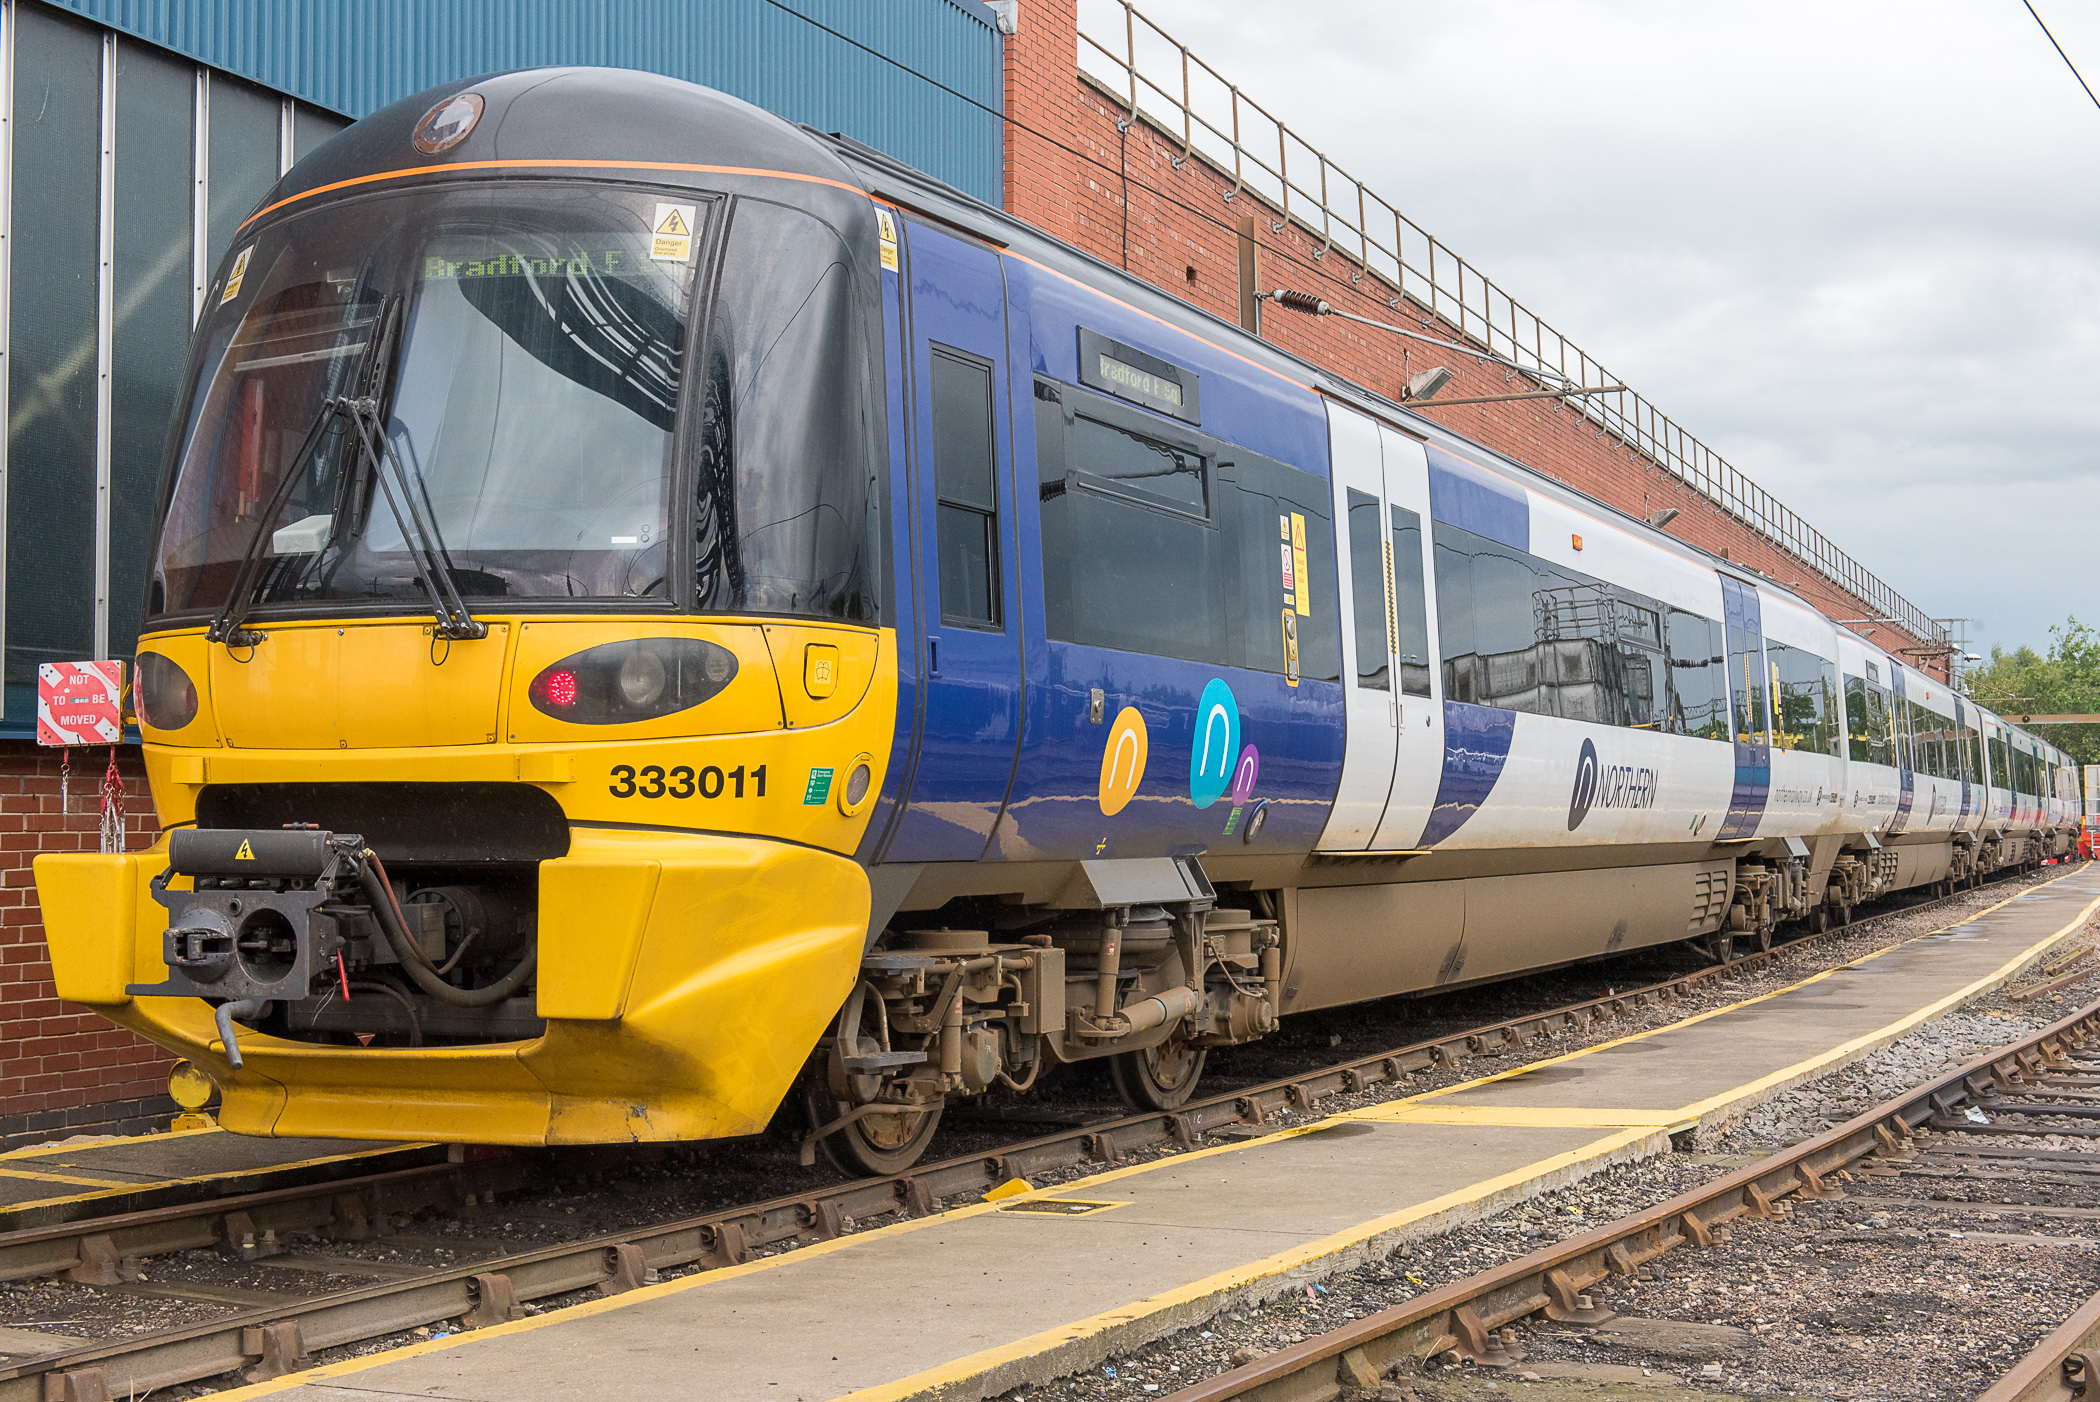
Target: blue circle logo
{"type": "Point", "coordinates": [1215, 750]}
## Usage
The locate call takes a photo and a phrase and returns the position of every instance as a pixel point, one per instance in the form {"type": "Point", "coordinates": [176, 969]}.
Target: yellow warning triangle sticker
{"type": "Point", "coordinates": [673, 226]}
{"type": "Point", "coordinates": [246, 854]}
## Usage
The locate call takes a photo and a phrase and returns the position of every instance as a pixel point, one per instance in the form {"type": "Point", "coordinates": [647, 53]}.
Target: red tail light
{"type": "Point", "coordinates": [561, 688]}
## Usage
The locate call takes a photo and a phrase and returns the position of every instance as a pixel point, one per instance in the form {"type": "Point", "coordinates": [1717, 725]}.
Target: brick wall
{"type": "Point", "coordinates": [1068, 168]}
{"type": "Point", "coordinates": [63, 1069]}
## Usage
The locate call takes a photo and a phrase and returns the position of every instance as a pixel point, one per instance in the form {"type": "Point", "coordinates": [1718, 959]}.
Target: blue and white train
{"type": "Point", "coordinates": [787, 630]}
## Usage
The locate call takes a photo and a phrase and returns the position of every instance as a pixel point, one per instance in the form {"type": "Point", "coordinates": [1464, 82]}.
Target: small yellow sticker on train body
{"type": "Point", "coordinates": [234, 278]}
{"type": "Point", "coordinates": [671, 234]}
{"type": "Point", "coordinates": [886, 234]}
{"type": "Point", "coordinates": [1123, 760]}
{"type": "Point", "coordinates": [1303, 595]}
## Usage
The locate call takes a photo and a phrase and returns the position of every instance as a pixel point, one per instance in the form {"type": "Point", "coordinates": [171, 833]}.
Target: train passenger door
{"type": "Point", "coordinates": [1357, 464]}
{"type": "Point", "coordinates": [1747, 682]}
{"type": "Point", "coordinates": [969, 724]}
{"type": "Point", "coordinates": [1906, 764]}
{"type": "Point", "coordinates": [1418, 760]}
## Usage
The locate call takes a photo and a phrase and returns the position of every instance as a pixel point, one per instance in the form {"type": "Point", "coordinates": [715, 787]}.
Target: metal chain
{"type": "Point", "coordinates": [112, 805]}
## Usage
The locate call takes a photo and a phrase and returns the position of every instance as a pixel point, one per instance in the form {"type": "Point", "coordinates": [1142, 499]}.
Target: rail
{"type": "Point", "coordinates": [1133, 58]}
{"type": "Point", "coordinates": [1469, 1314]}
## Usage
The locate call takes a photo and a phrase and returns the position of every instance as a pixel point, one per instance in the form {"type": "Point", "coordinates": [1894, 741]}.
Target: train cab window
{"type": "Point", "coordinates": [1410, 602]}
{"type": "Point", "coordinates": [966, 487]}
{"type": "Point", "coordinates": [1367, 592]}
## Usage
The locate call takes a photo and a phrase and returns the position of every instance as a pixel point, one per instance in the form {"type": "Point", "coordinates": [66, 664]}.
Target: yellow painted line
{"type": "Point", "coordinates": [1409, 1112]}
{"type": "Point", "coordinates": [55, 1178]}
{"type": "Point", "coordinates": [46, 1150]}
{"type": "Point", "coordinates": [119, 1187]}
{"type": "Point", "coordinates": [1065, 1333]}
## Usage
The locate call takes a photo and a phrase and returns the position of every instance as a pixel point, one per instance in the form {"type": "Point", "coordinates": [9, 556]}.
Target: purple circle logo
{"type": "Point", "coordinates": [1244, 774]}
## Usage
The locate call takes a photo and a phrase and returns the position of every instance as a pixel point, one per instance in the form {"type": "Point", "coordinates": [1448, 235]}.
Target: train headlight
{"type": "Point", "coordinates": [634, 680]}
{"type": "Point", "coordinates": [165, 696]}
{"type": "Point", "coordinates": [642, 677]}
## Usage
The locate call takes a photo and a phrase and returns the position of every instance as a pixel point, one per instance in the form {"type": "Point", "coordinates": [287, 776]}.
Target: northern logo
{"type": "Point", "coordinates": [1585, 786]}
{"type": "Point", "coordinates": [1598, 785]}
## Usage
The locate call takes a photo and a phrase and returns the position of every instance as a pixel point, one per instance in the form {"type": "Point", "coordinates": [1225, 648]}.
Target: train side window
{"type": "Point", "coordinates": [1746, 678]}
{"type": "Point", "coordinates": [1524, 634]}
{"type": "Point", "coordinates": [1367, 590]}
{"type": "Point", "coordinates": [1881, 733]}
{"type": "Point", "coordinates": [1410, 602]}
{"type": "Point", "coordinates": [2001, 776]}
{"type": "Point", "coordinates": [1804, 703]}
{"type": "Point", "coordinates": [1116, 459]}
{"type": "Point", "coordinates": [1696, 692]}
{"type": "Point", "coordinates": [966, 528]}
{"type": "Point", "coordinates": [1856, 741]}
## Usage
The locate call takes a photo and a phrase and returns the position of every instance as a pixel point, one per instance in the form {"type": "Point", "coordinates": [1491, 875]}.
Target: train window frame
{"type": "Point", "coordinates": [949, 507]}
{"type": "Point", "coordinates": [1244, 491]}
{"type": "Point", "coordinates": [1094, 348]}
{"type": "Point", "coordinates": [1410, 604]}
{"type": "Point", "coordinates": [1618, 657]}
{"type": "Point", "coordinates": [1370, 590]}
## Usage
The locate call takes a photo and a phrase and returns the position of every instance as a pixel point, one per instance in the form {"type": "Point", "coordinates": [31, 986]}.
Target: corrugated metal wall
{"type": "Point", "coordinates": [354, 58]}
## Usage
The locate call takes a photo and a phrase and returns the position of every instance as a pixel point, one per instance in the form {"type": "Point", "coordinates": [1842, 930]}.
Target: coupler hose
{"type": "Point", "coordinates": [418, 965]}
{"type": "Point", "coordinates": [242, 1008]}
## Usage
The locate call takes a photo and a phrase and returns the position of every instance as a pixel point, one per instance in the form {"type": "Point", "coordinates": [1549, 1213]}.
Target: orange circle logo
{"type": "Point", "coordinates": [1123, 760]}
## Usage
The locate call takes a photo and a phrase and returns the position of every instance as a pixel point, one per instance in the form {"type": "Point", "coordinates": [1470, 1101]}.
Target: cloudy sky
{"type": "Point", "coordinates": [1854, 247]}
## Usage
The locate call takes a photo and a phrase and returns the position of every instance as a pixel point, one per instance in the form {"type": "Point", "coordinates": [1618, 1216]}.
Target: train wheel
{"type": "Point", "coordinates": [873, 1145]}
{"type": "Point", "coordinates": [1819, 920]}
{"type": "Point", "coordinates": [1720, 948]}
{"type": "Point", "coordinates": [1162, 1077]}
{"type": "Point", "coordinates": [1764, 938]}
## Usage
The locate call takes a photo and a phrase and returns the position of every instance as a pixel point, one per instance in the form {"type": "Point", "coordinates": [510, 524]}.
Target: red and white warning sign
{"type": "Point", "coordinates": [79, 703]}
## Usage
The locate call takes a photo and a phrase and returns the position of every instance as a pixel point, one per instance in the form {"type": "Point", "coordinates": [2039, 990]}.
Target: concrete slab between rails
{"type": "Point", "coordinates": [64, 1182]}
{"type": "Point", "coordinates": [975, 1301]}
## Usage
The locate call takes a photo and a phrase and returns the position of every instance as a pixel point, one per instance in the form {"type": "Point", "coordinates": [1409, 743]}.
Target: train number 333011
{"type": "Point", "coordinates": [654, 781]}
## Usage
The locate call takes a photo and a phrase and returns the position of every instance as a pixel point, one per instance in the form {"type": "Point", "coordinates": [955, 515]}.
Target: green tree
{"type": "Point", "coordinates": [2065, 681]}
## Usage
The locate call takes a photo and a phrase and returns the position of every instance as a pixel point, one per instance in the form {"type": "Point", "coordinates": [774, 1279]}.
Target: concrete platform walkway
{"type": "Point", "coordinates": [977, 1300]}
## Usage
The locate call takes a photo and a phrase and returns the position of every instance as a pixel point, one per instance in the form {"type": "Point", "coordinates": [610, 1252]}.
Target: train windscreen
{"type": "Point", "coordinates": [506, 367]}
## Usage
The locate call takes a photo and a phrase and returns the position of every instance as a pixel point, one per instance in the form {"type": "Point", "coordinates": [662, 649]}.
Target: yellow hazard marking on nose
{"type": "Point", "coordinates": [246, 854]}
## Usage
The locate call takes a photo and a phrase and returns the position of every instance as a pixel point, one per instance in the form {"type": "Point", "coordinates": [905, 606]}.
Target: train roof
{"type": "Point", "coordinates": [889, 178]}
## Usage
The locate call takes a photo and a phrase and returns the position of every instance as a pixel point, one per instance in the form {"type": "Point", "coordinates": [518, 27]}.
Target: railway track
{"type": "Point", "coordinates": [274, 1337]}
{"type": "Point", "coordinates": [1934, 1134]}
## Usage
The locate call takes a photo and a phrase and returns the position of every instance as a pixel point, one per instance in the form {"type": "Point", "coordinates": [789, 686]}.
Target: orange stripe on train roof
{"type": "Point", "coordinates": [541, 164]}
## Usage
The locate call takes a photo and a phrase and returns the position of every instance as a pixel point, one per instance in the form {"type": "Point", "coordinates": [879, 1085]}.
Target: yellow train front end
{"type": "Point", "coordinates": [702, 923]}
{"type": "Point", "coordinates": [515, 687]}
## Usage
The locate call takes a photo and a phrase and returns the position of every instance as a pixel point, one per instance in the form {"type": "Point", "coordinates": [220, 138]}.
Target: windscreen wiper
{"type": "Point", "coordinates": [419, 530]}
{"type": "Point", "coordinates": [227, 626]}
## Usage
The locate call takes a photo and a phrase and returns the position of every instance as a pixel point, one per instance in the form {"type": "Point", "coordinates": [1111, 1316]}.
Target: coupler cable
{"type": "Point", "coordinates": [371, 874]}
